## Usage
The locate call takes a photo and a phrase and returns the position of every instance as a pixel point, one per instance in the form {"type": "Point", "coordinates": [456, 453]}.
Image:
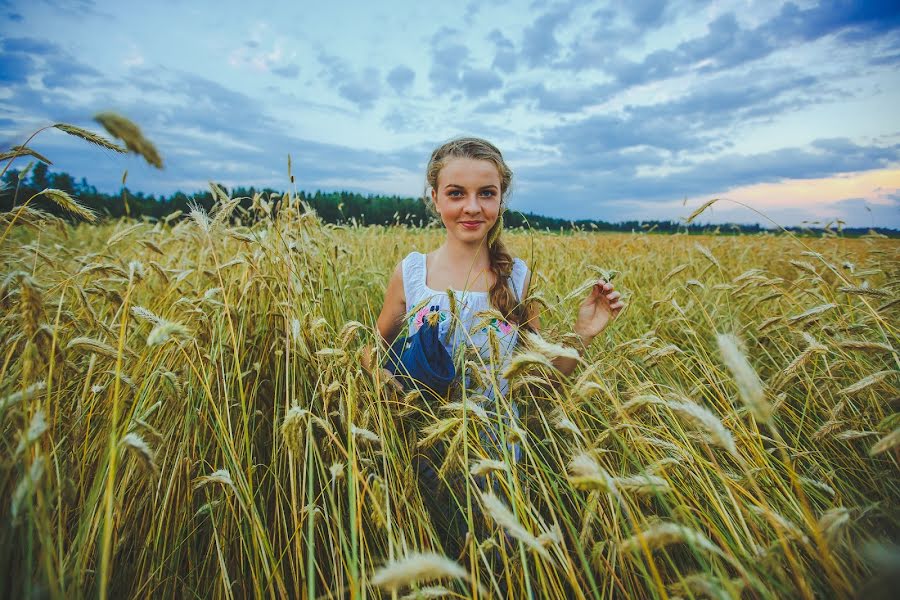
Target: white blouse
{"type": "Point", "coordinates": [471, 329]}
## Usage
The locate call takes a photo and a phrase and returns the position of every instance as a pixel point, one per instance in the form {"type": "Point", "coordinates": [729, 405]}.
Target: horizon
{"type": "Point", "coordinates": [614, 112]}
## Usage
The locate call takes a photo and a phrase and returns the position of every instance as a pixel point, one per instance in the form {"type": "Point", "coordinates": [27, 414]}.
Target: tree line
{"type": "Point", "coordinates": [339, 207]}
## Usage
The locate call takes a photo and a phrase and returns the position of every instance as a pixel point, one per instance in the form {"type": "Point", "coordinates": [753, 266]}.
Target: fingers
{"type": "Point", "coordinates": [607, 289]}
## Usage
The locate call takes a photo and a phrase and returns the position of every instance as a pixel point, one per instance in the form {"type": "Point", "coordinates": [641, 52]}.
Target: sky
{"type": "Point", "coordinates": [619, 110]}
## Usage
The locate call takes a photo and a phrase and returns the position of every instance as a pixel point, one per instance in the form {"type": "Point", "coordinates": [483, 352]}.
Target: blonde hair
{"type": "Point", "coordinates": [501, 295]}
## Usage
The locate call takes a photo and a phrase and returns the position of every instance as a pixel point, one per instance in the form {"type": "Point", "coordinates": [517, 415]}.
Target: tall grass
{"type": "Point", "coordinates": [184, 413]}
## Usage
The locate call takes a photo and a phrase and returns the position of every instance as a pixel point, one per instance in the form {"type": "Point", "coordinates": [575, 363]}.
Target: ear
{"type": "Point", "coordinates": [434, 200]}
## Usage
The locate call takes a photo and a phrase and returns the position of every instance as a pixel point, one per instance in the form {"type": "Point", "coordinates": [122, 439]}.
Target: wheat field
{"type": "Point", "coordinates": [185, 413]}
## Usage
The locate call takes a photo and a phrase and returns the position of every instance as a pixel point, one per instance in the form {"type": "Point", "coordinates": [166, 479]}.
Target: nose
{"type": "Point", "coordinates": [472, 206]}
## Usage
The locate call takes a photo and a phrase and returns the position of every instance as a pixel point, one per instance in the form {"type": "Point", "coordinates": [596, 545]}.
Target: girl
{"type": "Point", "coordinates": [469, 185]}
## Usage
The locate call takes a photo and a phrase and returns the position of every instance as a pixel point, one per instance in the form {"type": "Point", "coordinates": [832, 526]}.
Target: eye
{"type": "Point", "coordinates": [488, 193]}
{"type": "Point", "coordinates": [454, 193]}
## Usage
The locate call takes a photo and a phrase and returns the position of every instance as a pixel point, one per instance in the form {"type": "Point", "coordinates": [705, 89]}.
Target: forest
{"type": "Point", "coordinates": [338, 207]}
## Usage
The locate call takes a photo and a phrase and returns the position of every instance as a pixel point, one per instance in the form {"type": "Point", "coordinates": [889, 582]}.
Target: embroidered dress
{"type": "Point", "coordinates": [471, 329]}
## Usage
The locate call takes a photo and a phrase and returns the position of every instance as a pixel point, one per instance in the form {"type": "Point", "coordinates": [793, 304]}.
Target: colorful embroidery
{"type": "Point", "coordinates": [501, 327]}
{"type": "Point", "coordinates": [419, 317]}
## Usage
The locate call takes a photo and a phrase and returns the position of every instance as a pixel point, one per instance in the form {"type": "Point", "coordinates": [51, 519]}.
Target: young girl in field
{"type": "Point", "coordinates": [469, 184]}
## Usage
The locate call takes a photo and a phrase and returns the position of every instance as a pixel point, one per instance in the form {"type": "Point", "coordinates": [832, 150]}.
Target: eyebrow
{"type": "Point", "coordinates": [484, 187]}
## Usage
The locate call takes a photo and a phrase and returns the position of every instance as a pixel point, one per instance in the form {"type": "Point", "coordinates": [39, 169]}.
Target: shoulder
{"type": "Point", "coordinates": [412, 264]}
{"type": "Point", "coordinates": [519, 269]}
{"type": "Point", "coordinates": [519, 276]}
{"type": "Point", "coordinates": [412, 260]}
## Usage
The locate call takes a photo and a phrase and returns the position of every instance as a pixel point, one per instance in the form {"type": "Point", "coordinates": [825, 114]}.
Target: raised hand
{"type": "Point", "coordinates": [601, 306]}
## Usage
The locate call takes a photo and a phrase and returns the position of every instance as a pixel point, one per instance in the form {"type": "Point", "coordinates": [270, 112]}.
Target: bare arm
{"type": "Point", "coordinates": [394, 308]}
{"type": "Point", "coordinates": [391, 317]}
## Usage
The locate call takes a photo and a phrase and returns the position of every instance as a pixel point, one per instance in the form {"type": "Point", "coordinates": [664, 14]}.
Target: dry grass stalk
{"type": "Point", "coordinates": [781, 521]}
{"type": "Point", "coordinates": [363, 435]}
{"type": "Point", "coordinates": [700, 585]}
{"type": "Point", "coordinates": [424, 566]}
{"type": "Point", "coordinates": [17, 151]}
{"type": "Point", "coordinates": [865, 346]}
{"type": "Point", "coordinates": [749, 386]}
{"type": "Point", "coordinates": [641, 401]}
{"type": "Point", "coordinates": [136, 444]}
{"type": "Point", "coordinates": [643, 484]}
{"type": "Point", "coordinates": [562, 422]}
{"type": "Point", "coordinates": [22, 395]}
{"type": "Point", "coordinates": [552, 351]}
{"type": "Point", "coordinates": [816, 311]}
{"type": "Point", "coordinates": [89, 136]}
{"type": "Point", "coordinates": [707, 254]}
{"type": "Point", "coordinates": [699, 417]}
{"type": "Point", "coordinates": [428, 592]}
{"type": "Point", "coordinates": [67, 202]}
{"type": "Point", "coordinates": [487, 465]}
{"type": "Point", "coordinates": [164, 331]}
{"type": "Point", "coordinates": [865, 291]}
{"type": "Point", "coordinates": [222, 477]}
{"type": "Point", "coordinates": [36, 428]}
{"type": "Point", "coordinates": [586, 473]}
{"type": "Point", "coordinates": [26, 486]}
{"type": "Point", "coordinates": [833, 521]}
{"type": "Point", "coordinates": [891, 440]}
{"type": "Point", "coordinates": [700, 209]}
{"type": "Point", "coordinates": [498, 511]}
{"type": "Point", "coordinates": [125, 130]}
{"type": "Point", "coordinates": [469, 406]}
{"type": "Point", "coordinates": [866, 382]}
{"type": "Point", "coordinates": [665, 533]}
{"type": "Point", "coordinates": [525, 360]}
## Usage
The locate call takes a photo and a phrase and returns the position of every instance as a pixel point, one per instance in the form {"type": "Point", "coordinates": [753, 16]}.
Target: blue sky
{"type": "Point", "coordinates": [636, 109]}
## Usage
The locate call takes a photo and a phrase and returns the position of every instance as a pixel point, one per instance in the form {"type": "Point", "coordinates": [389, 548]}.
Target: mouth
{"type": "Point", "coordinates": [471, 224]}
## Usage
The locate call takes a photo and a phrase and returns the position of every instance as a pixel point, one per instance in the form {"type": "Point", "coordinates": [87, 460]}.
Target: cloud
{"type": "Point", "coordinates": [727, 44]}
{"type": "Point", "coordinates": [855, 20]}
{"type": "Point", "coordinates": [289, 71]}
{"type": "Point", "coordinates": [15, 68]}
{"type": "Point", "coordinates": [505, 55]}
{"type": "Point", "coordinates": [447, 61]}
{"type": "Point", "coordinates": [452, 73]}
{"type": "Point", "coordinates": [401, 78]}
{"type": "Point", "coordinates": [691, 123]}
{"type": "Point", "coordinates": [646, 13]}
{"type": "Point", "coordinates": [571, 187]}
{"type": "Point", "coordinates": [360, 87]}
{"type": "Point", "coordinates": [539, 44]}
{"type": "Point", "coordinates": [479, 82]}
{"type": "Point", "coordinates": [206, 131]}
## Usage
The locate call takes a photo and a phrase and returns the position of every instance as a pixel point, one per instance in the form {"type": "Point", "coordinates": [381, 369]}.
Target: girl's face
{"type": "Point", "coordinates": [467, 197]}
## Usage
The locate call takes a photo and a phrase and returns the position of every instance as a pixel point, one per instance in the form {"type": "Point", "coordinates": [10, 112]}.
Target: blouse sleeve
{"type": "Point", "coordinates": [413, 267]}
{"type": "Point", "coordinates": [518, 277]}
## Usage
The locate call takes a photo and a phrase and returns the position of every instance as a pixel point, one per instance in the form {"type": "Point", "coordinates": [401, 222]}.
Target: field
{"type": "Point", "coordinates": [184, 413]}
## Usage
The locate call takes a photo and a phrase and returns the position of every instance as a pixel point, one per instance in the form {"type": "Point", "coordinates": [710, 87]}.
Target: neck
{"type": "Point", "coordinates": [474, 255]}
